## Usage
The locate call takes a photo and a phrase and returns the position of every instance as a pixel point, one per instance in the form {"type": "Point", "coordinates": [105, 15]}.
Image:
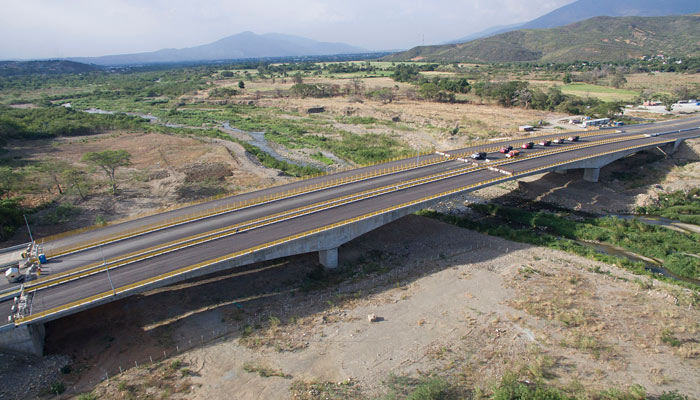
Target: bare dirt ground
{"type": "Point", "coordinates": [428, 124]}
{"type": "Point", "coordinates": [165, 171]}
{"type": "Point", "coordinates": [431, 123]}
{"type": "Point", "coordinates": [451, 302]}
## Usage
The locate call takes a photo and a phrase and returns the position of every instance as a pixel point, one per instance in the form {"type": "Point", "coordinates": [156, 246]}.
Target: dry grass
{"type": "Point", "coordinates": [264, 371]}
{"type": "Point", "coordinates": [663, 82]}
{"type": "Point", "coordinates": [156, 381]}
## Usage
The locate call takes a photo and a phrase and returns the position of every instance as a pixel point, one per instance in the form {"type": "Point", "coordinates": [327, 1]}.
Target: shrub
{"type": "Point", "coordinates": [57, 387]}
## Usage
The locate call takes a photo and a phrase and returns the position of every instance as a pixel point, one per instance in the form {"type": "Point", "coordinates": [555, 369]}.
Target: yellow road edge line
{"type": "Point", "coordinates": [304, 234]}
{"type": "Point", "coordinates": [241, 205]}
{"type": "Point", "coordinates": [140, 255]}
{"type": "Point", "coordinates": [259, 200]}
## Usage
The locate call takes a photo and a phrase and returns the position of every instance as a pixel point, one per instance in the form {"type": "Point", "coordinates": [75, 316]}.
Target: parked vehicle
{"type": "Point", "coordinates": [13, 275]}
{"type": "Point", "coordinates": [528, 145]}
{"type": "Point", "coordinates": [480, 155]}
{"type": "Point", "coordinates": [513, 153]}
{"type": "Point", "coordinates": [573, 139]}
{"type": "Point", "coordinates": [505, 149]}
{"type": "Point", "coordinates": [545, 143]}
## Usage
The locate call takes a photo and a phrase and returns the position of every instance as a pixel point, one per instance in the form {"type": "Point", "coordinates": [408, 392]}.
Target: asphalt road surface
{"type": "Point", "coordinates": [227, 201]}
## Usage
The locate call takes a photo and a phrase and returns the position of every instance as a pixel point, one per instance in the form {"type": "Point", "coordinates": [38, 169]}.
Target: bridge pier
{"type": "Point", "coordinates": [328, 258]}
{"type": "Point", "coordinates": [591, 174]}
{"type": "Point", "coordinates": [24, 339]}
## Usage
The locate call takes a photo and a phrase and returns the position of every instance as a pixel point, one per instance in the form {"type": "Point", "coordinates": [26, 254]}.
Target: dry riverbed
{"type": "Point", "coordinates": [450, 302]}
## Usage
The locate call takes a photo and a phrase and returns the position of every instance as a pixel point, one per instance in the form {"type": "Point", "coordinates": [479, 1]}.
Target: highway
{"type": "Point", "coordinates": [290, 210]}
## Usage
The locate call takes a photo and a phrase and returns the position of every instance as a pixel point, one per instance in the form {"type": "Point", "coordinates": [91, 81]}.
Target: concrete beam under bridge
{"type": "Point", "coordinates": [329, 258]}
{"type": "Point", "coordinates": [591, 174]}
{"type": "Point", "coordinates": [23, 339]}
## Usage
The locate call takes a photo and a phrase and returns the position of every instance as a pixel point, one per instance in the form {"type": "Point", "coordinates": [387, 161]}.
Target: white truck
{"type": "Point", "coordinates": [13, 275]}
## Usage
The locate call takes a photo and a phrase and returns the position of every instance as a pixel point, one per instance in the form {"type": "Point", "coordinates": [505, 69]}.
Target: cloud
{"type": "Point", "coordinates": [49, 28]}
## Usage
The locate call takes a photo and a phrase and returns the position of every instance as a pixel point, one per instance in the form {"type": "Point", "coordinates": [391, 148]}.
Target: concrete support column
{"type": "Point", "coordinates": [591, 174]}
{"type": "Point", "coordinates": [328, 258]}
{"type": "Point", "coordinates": [25, 339]}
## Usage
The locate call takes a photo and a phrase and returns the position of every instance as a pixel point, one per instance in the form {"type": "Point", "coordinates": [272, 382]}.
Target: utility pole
{"type": "Point", "coordinates": [114, 292]}
{"type": "Point", "coordinates": [29, 230]}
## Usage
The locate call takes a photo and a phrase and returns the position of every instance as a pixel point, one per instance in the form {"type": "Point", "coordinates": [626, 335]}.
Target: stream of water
{"type": "Point", "coordinates": [677, 226]}
{"type": "Point", "coordinates": [651, 264]}
{"type": "Point", "coordinates": [257, 139]}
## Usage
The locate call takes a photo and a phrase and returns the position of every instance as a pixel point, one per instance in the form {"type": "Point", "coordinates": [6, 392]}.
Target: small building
{"type": "Point", "coordinates": [595, 122]}
{"type": "Point", "coordinates": [526, 128]}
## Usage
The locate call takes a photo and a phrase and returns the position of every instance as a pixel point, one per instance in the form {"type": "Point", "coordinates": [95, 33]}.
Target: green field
{"type": "Point", "coordinates": [601, 92]}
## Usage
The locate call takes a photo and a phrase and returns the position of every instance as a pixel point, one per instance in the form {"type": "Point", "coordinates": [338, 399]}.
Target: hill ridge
{"type": "Point", "coordinates": [594, 39]}
{"type": "Point", "coordinates": [583, 9]}
{"type": "Point", "coordinates": [246, 44]}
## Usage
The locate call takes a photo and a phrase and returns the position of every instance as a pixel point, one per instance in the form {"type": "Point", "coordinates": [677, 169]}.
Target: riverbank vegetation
{"type": "Point", "coordinates": [565, 231]}
{"type": "Point", "coordinates": [683, 206]}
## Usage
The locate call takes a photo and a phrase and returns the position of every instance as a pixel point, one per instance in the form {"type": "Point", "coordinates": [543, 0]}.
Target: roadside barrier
{"type": "Point", "coordinates": [178, 244]}
{"type": "Point", "coordinates": [154, 279]}
{"type": "Point", "coordinates": [222, 209]}
{"type": "Point", "coordinates": [222, 196]}
{"type": "Point", "coordinates": [163, 224]}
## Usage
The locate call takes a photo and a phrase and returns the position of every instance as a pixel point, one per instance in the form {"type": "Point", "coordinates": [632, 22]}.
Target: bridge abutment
{"type": "Point", "coordinates": [591, 174]}
{"type": "Point", "coordinates": [328, 258]}
{"type": "Point", "coordinates": [24, 339]}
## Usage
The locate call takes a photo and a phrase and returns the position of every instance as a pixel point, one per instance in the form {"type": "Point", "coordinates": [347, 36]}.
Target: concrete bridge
{"type": "Point", "coordinates": [318, 215]}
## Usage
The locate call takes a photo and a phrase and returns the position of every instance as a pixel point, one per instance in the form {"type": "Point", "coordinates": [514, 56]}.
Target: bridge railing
{"type": "Point", "coordinates": [270, 219]}
{"type": "Point", "coordinates": [226, 208]}
{"type": "Point", "coordinates": [204, 264]}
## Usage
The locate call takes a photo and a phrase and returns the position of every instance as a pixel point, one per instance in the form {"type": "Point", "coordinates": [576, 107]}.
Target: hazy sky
{"type": "Point", "coordinates": [65, 28]}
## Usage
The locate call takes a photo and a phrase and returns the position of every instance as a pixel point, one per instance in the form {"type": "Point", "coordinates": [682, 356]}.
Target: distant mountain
{"type": "Point", "coordinates": [494, 30]}
{"type": "Point", "coordinates": [584, 9]}
{"type": "Point", "coordinates": [242, 45]}
{"type": "Point", "coordinates": [47, 67]}
{"type": "Point", "coordinates": [595, 39]}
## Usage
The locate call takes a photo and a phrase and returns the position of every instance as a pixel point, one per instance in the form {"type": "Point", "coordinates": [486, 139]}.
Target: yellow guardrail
{"type": "Point", "coordinates": [238, 205]}
{"type": "Point", "coordinates": [252, 224]}
{"type": "Point", "coordinates": [52, 253]}
{"type": "Point", "coordinates": [274, 218]}
{"type": "Point", "coordinates": [221, 196]}
{"type": "Point", "coordinates": [218, 197]}
{"type": "Point", "coordinates": [227, 257]}
{"type": "Point", "coordinates": [227, 231]}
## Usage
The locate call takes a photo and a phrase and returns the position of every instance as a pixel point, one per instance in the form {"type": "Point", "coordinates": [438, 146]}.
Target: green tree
{"type": "Point", "coordinates": [608, 109]}
{"type": "Point", "coordinates": [77, 180]}
{"type": "Point", "coordinates": [668, 102]}
{"type": "Point", "coordinates": [53, 169]}
{"type": "Point", "coordinates": [619, 80]}
{"type": "Point", "coordinates": [298, 79]}
{"type": "Point", "coordinates": [109, 161]}
{"type": "Point", "coordinates": [567, 78]}
{"type": "Point", "coordinates": [241, 84]}
{"type": "Point", "coordinates": [429, 91]}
